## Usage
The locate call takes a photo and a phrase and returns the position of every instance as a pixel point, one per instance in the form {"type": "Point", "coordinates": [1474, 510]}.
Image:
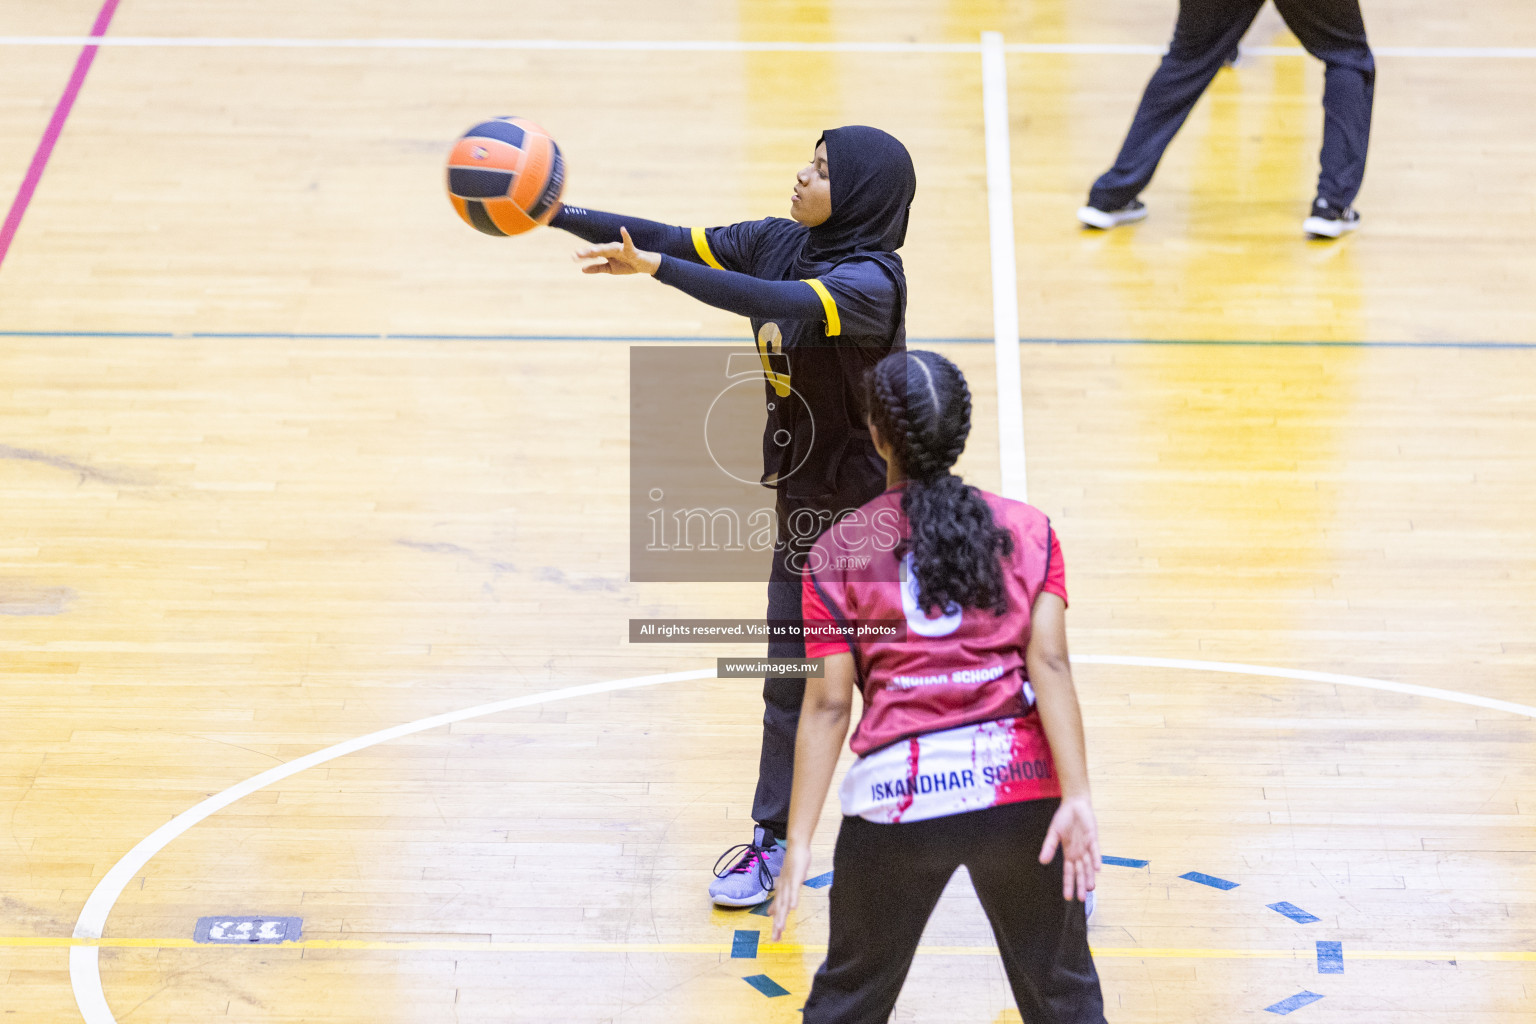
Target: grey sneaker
{"type": "Point", "coordinates": [749, 881]}
{"type": "Point", "coordinates": [1088, 910]}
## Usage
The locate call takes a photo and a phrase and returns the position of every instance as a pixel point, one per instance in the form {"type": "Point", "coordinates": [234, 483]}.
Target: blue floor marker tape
{"type": "Point", "coordinates": [1210, 880]}
{"type": "Point", "coordinates": [1292, 1004]}
{"type": "Point", "coordinates": [744, 945]}
{"type": "Point", "coordinates": [243, 929]}
{"type": "Point", "coordinates": [820, 881]}
{"type": "Point", "coordinates": [1124, 862]}
{"type": "Point", "coordinates": [768, 987]}
{"type": "Point", "coordinates": [1330, 958]}
{"type": "Point", "coordinates": [1293, 912]}
{"type": "Point", "coordinates": [763, 909]}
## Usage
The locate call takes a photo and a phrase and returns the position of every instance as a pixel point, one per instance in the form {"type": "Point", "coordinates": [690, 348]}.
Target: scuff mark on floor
{"type": "Point", "coordinates": [25, 599]}
{"type": "Point", "coordinates": [83, 470]}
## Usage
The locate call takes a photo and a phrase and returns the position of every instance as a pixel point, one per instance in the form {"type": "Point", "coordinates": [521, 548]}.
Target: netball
{"type": "Point", "coordinates": [505, 176]}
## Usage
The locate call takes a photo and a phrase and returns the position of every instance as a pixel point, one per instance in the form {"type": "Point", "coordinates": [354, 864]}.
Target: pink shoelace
{"type": "Point", "coordinates": [746, 863]}
{"type": "Point", "coordinates": [754, 857]}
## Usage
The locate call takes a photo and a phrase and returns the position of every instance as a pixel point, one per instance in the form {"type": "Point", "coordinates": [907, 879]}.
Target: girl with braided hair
{"type": "Point", "coordinates": [971, 742]}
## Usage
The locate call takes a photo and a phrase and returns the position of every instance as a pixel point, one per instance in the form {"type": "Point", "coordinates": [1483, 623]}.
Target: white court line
{"type": "Point", "coordinates": [724, 46]}
{"type": "Point", "coordinates": [1235, 668]}
{"type": "Point", "coordinates": [552, 45]}
{"type": "Point", "coordinates": [1005, 274]}
{"type": "Point", "coordinates": [84, 961]}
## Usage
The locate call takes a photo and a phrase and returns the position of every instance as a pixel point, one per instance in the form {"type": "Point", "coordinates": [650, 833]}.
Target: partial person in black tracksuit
{"type": "Point", "coordinates": [826, 295]}
{"type": "Point", "coordinates": [1205, 37]}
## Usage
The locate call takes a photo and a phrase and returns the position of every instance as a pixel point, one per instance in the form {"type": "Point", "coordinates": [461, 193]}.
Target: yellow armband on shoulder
{"type": "Point", "coordinates": [834, 324]}
{"type": "Point", "coordinates": [701, 246]}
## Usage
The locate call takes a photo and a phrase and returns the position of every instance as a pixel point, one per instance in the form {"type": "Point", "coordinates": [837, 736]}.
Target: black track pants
{"type": "Point", "coordinates": [861, 477]}
{"type": "Point", "coordinates": [1207, 32]}
{"type": "Point", "coordinates": [887, 880]}
{"type": "Point", "coordinates": [781, 706]}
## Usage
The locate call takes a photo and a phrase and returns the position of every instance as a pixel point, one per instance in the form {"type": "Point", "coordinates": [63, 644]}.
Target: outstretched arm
{"type": "Point", "coordinates": [596, 226]}
{"type": "Point", "coordinates": [741, 293]}
{"type": "Point", "coordinates": [725, 289]}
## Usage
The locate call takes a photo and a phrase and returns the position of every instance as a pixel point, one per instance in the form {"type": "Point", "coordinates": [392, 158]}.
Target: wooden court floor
{"type": "Point", "coordinates": [247, 515]}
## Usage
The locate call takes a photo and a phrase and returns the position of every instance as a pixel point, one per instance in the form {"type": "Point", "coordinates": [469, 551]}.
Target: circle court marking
{"type": "Point", "coordinates": [84, 960]}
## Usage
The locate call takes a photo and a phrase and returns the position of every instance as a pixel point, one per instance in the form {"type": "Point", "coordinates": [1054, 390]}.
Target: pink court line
{"type": "Point", "coordinates": [54, 130]}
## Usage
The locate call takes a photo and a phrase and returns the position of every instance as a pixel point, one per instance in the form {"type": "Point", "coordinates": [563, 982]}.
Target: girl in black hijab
{"type": "Point", "coordinates": [827, 297]}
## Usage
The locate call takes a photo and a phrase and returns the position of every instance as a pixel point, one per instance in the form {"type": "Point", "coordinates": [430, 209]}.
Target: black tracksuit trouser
{"type": "Point", "coordinates": [1207, 32]}
{"type": "Point", "coordinates": [861, 477]}
{"type": "Point", "coordinates": [781, 704]}
{"type": "Point", "coordinates": [887, 879]}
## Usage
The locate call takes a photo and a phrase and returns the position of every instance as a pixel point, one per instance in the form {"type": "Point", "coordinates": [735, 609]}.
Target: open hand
{"type": "Point", "coordinates": [619, 257]}
{"type": "Point", "coordinates": [1076, 831]}
{"type": "Point", "coordinates": [786, 893]}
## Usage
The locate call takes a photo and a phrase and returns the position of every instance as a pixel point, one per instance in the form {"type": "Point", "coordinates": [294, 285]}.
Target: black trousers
{"type": "Point", "coordinates": [861, 477]}
{"type": "Point", "coordinates": [1207, 32]}
{"type": "Point", "coordinates": [887, 880]}
{"type": "Point", "coordinates": [781, 707]}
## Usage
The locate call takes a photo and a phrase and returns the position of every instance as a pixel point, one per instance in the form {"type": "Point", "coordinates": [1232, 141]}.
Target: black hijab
{"type": "Point", "coordinates": [872, 188]}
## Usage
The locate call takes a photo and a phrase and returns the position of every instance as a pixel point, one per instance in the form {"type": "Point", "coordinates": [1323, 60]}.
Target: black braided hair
{"type": "Point", "coordinates": [919, 402]}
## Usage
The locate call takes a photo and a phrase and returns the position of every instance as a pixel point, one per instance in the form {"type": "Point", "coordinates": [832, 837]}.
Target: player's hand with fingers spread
{"type": "Point", "coordinates": [619, 257]}
{"type": "Point", "coordinates": [797, 865]}
{"type": "Point", "coordinates": [1076, 832]}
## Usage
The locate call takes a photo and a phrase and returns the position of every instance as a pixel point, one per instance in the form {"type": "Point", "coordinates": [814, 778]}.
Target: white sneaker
{"type": "Point", "coordinates": [1328, 221]}
{"type": "Point", "coordinates": [1130, 213]}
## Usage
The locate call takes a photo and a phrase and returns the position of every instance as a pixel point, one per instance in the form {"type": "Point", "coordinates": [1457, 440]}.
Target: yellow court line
{"type": "Point", "coordinates": [764, 950]}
